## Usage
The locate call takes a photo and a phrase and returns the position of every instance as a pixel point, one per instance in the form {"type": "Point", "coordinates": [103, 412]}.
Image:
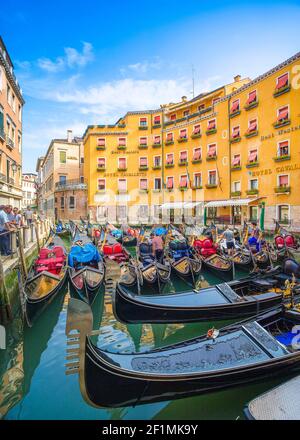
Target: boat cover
{"type": "Point", "coordinates": [206, 247]}
{"type": "Point", "coordinates": [59, 227]}
{"type": "Point", "coordinates": [116, 233]}
{"type": "Point", "coordinates": [83, 254]}
{"type": "Point", "coordinates": [50, 260]}
{"type": "Point", "coordinates": [160, 231]}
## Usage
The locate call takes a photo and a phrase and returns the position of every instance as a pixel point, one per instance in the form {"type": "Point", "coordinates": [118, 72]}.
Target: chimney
{"type": "Point", "coordinates": [69, 136]}
{"type": "Point", "coordinates": [237, 78]}
{"type": "Point", "coordinates": [183, 98]}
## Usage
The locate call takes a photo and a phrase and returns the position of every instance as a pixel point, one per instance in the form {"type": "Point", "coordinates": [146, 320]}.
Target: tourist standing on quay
{"type": "Point", "coordinates": [28, 216]}
{"type": "Point", "coordinates": [4, 232]}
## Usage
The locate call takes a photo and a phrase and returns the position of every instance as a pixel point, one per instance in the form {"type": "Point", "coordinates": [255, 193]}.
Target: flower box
{"type": "Point", "coordinates": [143, 147]}
{"type": "Point", "coordinates": [236, 193]}
{"type": "Point", "coordinates": [183, 188]}
{"type": "Point", "coordinates": [156, 190]}
{"type": "Point", "coordinates": [100, 148]}
{"type": "Point", "coordinates": [122, 191]}
{"type": "Point", "coordinates": [252, 164]}
{"type": "Point", "coordinates": [281, 158]}
{"type": "Point", "coordinates": [253, 133]}
{"type": "Point", "coordinates": [169, 142]}
{"type": "Point", "coordinates": [121, 147]}
{"type": "Point", "coordinates": [279, 124]}
{"type": "Point", "coordinates": [234, 140]}
{"type": "Point", "coordinates": [197, 187]}
{"type": "Point", "coordinates": [122, 169]}
{"type": "Point", "coordinates": [282, 90]}
{"type": "Point", "coordinates": [282, 189]}
{"type": "Point", "coordinates": [156, 167]}
{"type": "Point", "coordinates": [196, 135]}
{"type": "Point", "coordinates": [143, 191]}
{"type": "Point", "coordinates": [197, 161]}
{"type": "Point", "coordinates": [210, 158]}
{"type": "Point", "coordinates": [251, 192]}
{"type": "Point", "coordinates": [156, 125]}
{"type": "Point", "coordinates": [143, 127]}
{"type": "Point", "coordinates": [143, 168]}
{"type": "Point", "coordinates": [250, 106]}
{"type": "Point", "coordinates": [169, 165]}
{"type": "Point", "coordinates": [236, 113]}
{"type": "Point", "coordinates": [101, 191]}
{"type": "Point", "coordinates": [156, 145]}
{"type": "Point", "coordinates": [183, 163]}
{"type": "Point", "coordinates": [211, 185]}
{"type": "Point", "coordinates": [182, 140]}
{"type": "Point", "coordinates": [170, 189]}
{"type": "Point", "coordinates": [101, 168]}
{"type": "Point", "coordinates": [212, 131]}
{"type": "Point", "coordinates": [236, 168]}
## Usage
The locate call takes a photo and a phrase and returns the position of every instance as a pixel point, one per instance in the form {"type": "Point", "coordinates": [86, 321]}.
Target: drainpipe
{"type": "Point", "coordinates": [229, 149]}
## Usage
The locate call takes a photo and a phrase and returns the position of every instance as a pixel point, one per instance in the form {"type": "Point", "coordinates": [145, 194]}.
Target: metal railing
{"type": "Point", "coordinates": [70, 184]}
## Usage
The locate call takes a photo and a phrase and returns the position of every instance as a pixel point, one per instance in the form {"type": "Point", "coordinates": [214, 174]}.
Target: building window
{"type": "Point", "coordinates": [157, 183]}
{"type": "Point", "coordinates": [283, 213]}
{"type": "Point", "coordinates": [170, 182]}
{"type": "Point", "coordinates": [173, 117]}
{"type": "Point", "coordinates": [283, 180]}
{"type": "Point", "coordinates": [215, 100]}
{"type": "Point", "coordinates": [170, 137]}
{"type": "Point", "coordinates": [157, 161]}
{"type": "Point", "coordinates": [236, 162]}
{"type": "Point", "coordinates": [8, 95]}
{"type": "Point", "coordinates": [143, 184]}
{"type": "Point", "coordinates": [252, 156]}
{"type": "Point", "coordinates": [236, 186]}
{"type": "Point", "coordinates": [283, 114]}
{"type": "Point", "coordinates": [13, 102]}
{"type": "Point", "coordinates": [183, 134]}
{"type": "Point", "coordinates": [143, 140]}
{"type": "Point", "coordinates": [183, 181]}
{"type": "Point", "coordinates": [157, 120]}
{"type": "Point", "coordinates": [282, 81]}
{"type": "Point", "coordinates": [62, 180]}
{"type": "Point", "coordinates": [122, 165]}
{"type": "Point", "coordinates": [253, 211]}
{"type": "Point", "coordinates": [63, 157]}
{"type": "Point", "coordinates": [101, 162]}
{"type": "Point", "coordinates": [20, 113]}
{"type": "Point", "coordinates": [211, 125]}
{"type": "Point", "coordinates": [212, 150]}
{"type": "Point", "coordinates": [82, 160]}
{"type": "Point", "coordinates": [197, 154]}
{"type": "Point", "coordinates": [183, 157]}
{"type": "Point", "coordinates": [101, 142]}
{"type": "Point", "coordinates": [197, 180]}
{"type": "Point", "coordinates": [122, 185]}
{"type": "Point", "coordinates": [170, 159]}
{"type": "Point", "coordinates": [253, 183]}
{"type": "Point", "coordinates": [236, 132]}
{"type": "Point", "coordinates": [212, 212]}
{"type": "Point", "coordinates": [252, 98]}
{"type": "Point", "coordinates": [122, 142]}
{"type": "Point", "coordinates": [81, 179]}
{"type": "Point", "coordinates": [143, 162]}
{"type": "Point", "coordinates": [186, 112]}
{"type": "Point", "coordinates": [252, 126]}
{"type": "Point", "coordinates": [143, 122]}
{"type": "Point", "coordinates": [201, 107]}
{"type": "Point", "coordinates": [235, 106]}
{"type": "Point", "coordinates": [197, 129]}
{"type": "Point", "coordinates": [62, 202]}
{"type": "Point", "coordinates": [122, 212]}
{"type": "Point", "coordinates": [157, 140]}
{"type": "Point", "coordinates": [101, 184]}
{"type": "Point", "coordinates": [71, 202]}
{"type": "Point", "coordinates": [283, 149]}
{"type": "Point", "coordinates": [143, 211]}
{"type": "Point", "coordinates": [212, 177]}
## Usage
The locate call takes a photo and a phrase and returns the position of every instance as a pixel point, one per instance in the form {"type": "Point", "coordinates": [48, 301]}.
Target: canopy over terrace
{"type": "Point", "coordinates": [183, 211]}
{"type": "Point", "coordinates": [235, 211]}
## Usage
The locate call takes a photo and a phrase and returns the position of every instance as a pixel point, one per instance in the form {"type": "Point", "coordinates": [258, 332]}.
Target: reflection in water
{"type": "Point", "coordinates": [32, 369]}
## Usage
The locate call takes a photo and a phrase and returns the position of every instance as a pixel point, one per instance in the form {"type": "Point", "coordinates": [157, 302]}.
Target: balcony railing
{"type": "Point", "coordinates": [71, 184]}
{"type": "Point", "coordinates": [9, 142]}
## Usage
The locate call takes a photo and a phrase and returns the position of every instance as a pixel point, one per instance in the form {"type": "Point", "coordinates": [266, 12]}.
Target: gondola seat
{"type": "Point", "coordinates": [263, 285]}
{"type": "Point", "coordinates": [290, 241]}
{"type": "Point", "coordinates": [114, 252]}
{"type": "Point", "coordinates": [208, 248]}
{"type": "Point", "coordinates": [51, 260]}
{"type": "Point", "coordinates": [279, 242]}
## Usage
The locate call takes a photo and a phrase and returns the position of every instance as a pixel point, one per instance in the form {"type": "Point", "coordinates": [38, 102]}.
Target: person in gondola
{"type": "Point", "coordinates": [158, 248]}
{"type": "Point", "coordinates": [229, 237]}
{"type": "Point", "coordinates": [237, 235]}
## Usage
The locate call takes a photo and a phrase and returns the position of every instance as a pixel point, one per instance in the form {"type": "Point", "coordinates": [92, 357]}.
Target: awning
{"type": "Point", "coordinates": [180, 205]}
{"type": "Point", "coordinates": [192, 205]}
{"type": "Point", "coordinates": [233, 202]}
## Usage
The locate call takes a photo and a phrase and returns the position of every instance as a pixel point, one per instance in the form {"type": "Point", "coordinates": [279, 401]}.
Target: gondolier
{"type": "Point", "coordinates": [229, 237]}
{"type": "Point", "coordinates": [158, 247]}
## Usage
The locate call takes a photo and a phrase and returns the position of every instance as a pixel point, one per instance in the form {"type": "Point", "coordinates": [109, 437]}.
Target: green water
{"type": "Point", "coordinates": [33, 384]}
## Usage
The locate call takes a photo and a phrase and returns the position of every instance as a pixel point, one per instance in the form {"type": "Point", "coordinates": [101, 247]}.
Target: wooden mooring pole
{"type": "Point", "coordinates": [22, 255]}
{"type": "Point", "coordinates": [5, 307]}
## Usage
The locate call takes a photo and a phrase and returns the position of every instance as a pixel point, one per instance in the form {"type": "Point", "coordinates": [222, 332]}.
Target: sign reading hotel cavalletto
{"type": "Point", "coordinates": [281, 169]}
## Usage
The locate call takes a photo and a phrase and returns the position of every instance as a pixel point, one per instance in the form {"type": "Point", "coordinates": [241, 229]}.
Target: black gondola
{"type": "Point", "coordinates": [233, 300]}
{"type": "Point", "coordinates": [155, 274]}
{"type": "Point", "coordinates": [243, 352]}
{"type": "Point", "coordinates": [242, 259]}
{"type": "Point", "coordinates": [183, 260]}
{"type": "Point", "coordinates": [86, 275]}
{"type": "Point", "coordinates": [219, 265]}
{"type": "Point", "coordinates": [45, 278]}
{"type": "Point", "coordinates": [128, 240]}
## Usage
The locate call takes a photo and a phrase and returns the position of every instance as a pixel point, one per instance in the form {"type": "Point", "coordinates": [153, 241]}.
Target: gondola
{"type": "Point", "coordinates": [62, 230]}
{"type": "Point", "coordinates": [233, 300]}
{"type": "Point", "coordinates": [86, 268]}
{"type": "Point", "coordinates": [242, 259]}
{"type": "Point", "coordinates": [244, 352]}
{"type": "Point", "coordinates": [219, 265]}
{"type": "Point", "coordinates": [127, 240]}
{"type": "Point", "coordinates": [183, 261]}
{"type": "Point", "coordinates": [155, 274]}
{"type": "Point", "coordinates": [45, 278]}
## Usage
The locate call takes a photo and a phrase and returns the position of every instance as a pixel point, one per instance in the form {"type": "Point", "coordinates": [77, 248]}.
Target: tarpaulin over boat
{"type": "Point", "coordinates": [160, 231]}
{"type": "Point", "coordinates": [83, 254]}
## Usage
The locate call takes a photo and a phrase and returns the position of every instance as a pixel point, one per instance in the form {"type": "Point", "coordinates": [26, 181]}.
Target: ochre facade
{"type": "Point", "coordinates": [230, 150]}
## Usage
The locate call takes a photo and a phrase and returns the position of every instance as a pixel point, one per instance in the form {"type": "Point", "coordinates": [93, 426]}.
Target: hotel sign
{"type": "Point", "coordinates": [124, 174]}
{"type": "Point", "coordinates": [280, 132]}
{"type": "Point", "coordinates": [125, 152]}
{"type": "Point", "coordinates": [281, 169]}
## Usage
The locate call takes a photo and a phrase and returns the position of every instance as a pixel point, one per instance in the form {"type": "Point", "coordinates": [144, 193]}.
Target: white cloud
{"type": "Point", "coordinates": [72, 58]}
{"type": "Point", "coordinates": [144, 66]}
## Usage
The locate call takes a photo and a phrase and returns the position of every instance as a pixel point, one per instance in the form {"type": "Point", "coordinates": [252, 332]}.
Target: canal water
{"type": "Point", "coordinates": [33, 384]}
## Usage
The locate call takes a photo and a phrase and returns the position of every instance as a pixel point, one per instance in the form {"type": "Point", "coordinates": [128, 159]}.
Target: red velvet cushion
{"type": "Point", "coordinates": [208, 244]}
{"type": "Point", "coordinates": [117, 249]}
{"type": "Point", "coordinates": [290, 241]}
{"type": "Point", "coordinates": [107, 249]}
{"type": "Point", "coordinates": [279, 241]}
{"type": "Point", "coordinates": [198, 244]}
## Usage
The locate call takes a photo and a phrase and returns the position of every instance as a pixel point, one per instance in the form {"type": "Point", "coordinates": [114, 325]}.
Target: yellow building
{"type": "Point", "coordinates": [229, 151]}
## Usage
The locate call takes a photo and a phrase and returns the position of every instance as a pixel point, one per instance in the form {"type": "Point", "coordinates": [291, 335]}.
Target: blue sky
{"type": "Point", "coordinates": [88, 62]}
